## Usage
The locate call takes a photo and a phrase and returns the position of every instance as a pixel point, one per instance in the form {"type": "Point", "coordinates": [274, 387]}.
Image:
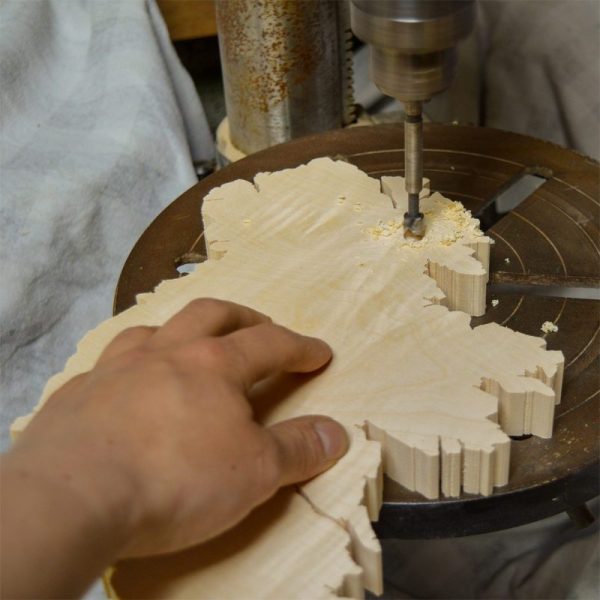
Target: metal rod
{"type": "Point", "coordinates": [413, 204]}
{"type": "Point", "coordinates": [413, 166]}
{"type": "Point", "coordinates": [413, 149]}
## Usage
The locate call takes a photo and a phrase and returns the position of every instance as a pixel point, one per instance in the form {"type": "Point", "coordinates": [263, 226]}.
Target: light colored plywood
{"type": "Point", "coordinates": [426, 398]}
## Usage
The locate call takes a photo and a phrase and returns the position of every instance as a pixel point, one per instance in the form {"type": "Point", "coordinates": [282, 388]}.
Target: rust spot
{"type": "Point", "coordinates": [268, 47]}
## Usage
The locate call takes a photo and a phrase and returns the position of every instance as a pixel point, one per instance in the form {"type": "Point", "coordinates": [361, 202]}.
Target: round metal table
{"type": "Point", "coordinates": [550, 241]}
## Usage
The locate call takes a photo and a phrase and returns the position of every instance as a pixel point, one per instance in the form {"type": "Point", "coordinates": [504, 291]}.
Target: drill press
{"type": "Point", "coordinates": [413, 56]}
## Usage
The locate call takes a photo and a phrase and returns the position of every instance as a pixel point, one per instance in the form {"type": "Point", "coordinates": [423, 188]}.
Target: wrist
{"type": "Point", "coordinates": [55, 541]}
{"type": "Point", "coordinates": [92, 491]}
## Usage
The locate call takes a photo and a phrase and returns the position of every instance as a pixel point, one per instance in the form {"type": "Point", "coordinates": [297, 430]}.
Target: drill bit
{"type": "Point", "coordinates": [413, 167]}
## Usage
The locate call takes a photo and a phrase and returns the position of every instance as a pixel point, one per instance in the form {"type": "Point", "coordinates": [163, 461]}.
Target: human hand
{"type": "Point", "coordinates": [159, 437]}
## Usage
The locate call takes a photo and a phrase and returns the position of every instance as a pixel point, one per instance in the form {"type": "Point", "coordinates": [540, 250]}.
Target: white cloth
{"type": "Point", "coordinates": [540, 70]}
{"type": "Point", "coordinates": [99, 123]}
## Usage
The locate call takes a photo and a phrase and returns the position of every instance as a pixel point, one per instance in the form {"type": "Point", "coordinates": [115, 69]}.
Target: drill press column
{"type": "Point", "coordinates": [287, 69]}
{"type": "Point", "coordinates": [413, 57]}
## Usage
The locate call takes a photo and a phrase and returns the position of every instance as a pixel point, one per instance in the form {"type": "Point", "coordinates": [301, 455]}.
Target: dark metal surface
{"type": "Point", "coordinates": [551, 239]}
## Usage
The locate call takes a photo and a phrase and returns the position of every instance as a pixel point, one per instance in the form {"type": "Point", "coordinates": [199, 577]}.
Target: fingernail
{"type": "Point", "coordinates": [333, 438]}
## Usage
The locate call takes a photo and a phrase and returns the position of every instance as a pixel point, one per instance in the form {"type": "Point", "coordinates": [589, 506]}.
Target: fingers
{"type": "Point", "coordinates": [267, 349]}
{"type": "Point", "coordinates": [307, 446]}
{"type": "Point", "coordinates": [228, 337]}
{"type": "Point", "coordinates": [206, 317]}
{"type": "Point", "coordinates": [127, 340]}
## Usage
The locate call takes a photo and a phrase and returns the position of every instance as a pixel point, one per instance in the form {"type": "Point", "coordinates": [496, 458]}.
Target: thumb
{"type": "Point", "coordinates": [308, 446]}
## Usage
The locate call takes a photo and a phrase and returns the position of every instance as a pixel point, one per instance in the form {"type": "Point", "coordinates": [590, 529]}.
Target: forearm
{"type": "Point", "coordinates": [55, 538]}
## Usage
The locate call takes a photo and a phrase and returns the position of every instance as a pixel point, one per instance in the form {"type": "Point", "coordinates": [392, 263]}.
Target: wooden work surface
{"type": "Point", "coordinates": [189, 19]}
{"type": "Point", "coordinates": [550, 240]}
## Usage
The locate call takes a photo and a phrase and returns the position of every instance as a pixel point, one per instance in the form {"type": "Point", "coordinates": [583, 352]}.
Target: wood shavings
{"type": "Point", "coordinates": [446, 222]}
{"type": "Point", "coordinates": [549, 327]}
{"type": "Point", "coordinates": [495, 302]}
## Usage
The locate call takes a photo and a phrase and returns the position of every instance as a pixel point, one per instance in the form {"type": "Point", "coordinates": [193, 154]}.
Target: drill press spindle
{"type": "Point", "coordinates": [413, 167]}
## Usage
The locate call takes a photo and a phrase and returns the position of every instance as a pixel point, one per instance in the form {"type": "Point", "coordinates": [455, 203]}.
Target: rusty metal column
{"type": "Point", "coordinates": [286, 69]}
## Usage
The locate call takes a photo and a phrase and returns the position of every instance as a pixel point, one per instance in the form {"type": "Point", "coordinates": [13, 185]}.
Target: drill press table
{"type": "Point", "coordinates": [550, 240]}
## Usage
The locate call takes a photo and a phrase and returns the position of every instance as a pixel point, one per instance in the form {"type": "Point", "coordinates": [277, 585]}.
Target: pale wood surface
{"type": "Point", "coordinates": [288, 548]}
{"type": "Point", "coordinates": [321, 249]}
{"type": "Point", "coordinates": [284, 550]}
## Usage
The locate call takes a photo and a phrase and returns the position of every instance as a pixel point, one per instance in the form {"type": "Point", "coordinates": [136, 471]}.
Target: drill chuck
{"type": "Point", "coordinates": [412, 42]}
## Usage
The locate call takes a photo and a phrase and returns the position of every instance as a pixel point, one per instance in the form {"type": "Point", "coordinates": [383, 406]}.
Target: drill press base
{"type": "Point", "coordinates": [549, 240]}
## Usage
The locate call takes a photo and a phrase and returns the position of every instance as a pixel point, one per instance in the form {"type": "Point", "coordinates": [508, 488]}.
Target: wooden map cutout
{"type": "Point", "coordinates": [425, 398]}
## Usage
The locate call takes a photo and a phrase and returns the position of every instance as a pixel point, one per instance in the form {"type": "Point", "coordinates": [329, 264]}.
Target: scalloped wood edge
{"type": "Point", "coordinates": [321, 249]}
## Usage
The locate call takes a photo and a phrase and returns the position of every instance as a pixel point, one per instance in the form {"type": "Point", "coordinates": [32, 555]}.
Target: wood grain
{"type": "Point", "coordinates": [425, 398]}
